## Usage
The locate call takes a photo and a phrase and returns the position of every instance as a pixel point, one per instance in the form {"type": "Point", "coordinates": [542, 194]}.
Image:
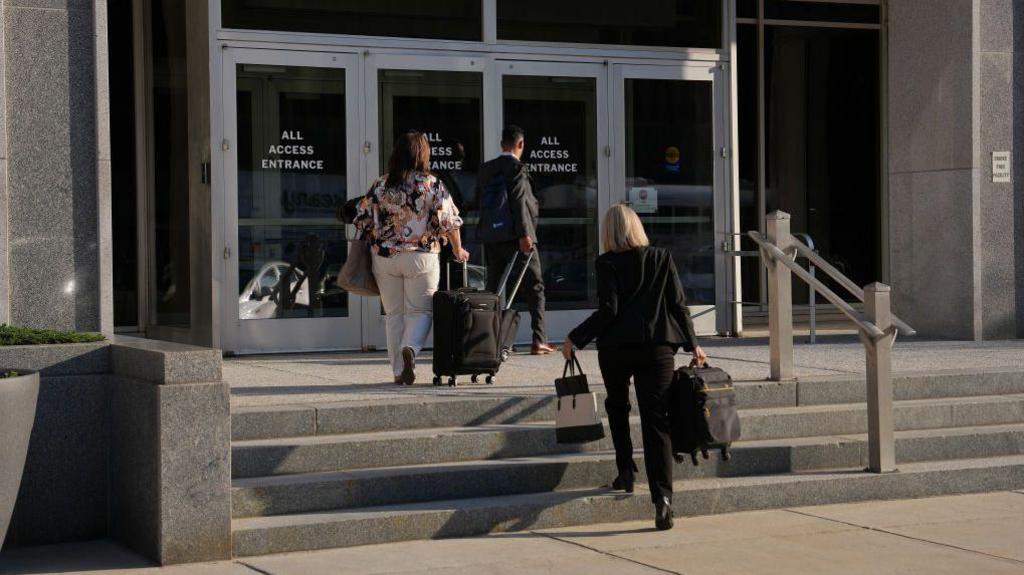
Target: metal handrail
{"type": "Point", "coordinates": [866, 326]}
{"type": "Point", "coordinates": [812, 298]}
{"type": "Point", "coordinates": [812, 336]}
{"type": "Point", "coordinates": [844, 281]}
{"type": "Point", "coordinates": [876, 326]}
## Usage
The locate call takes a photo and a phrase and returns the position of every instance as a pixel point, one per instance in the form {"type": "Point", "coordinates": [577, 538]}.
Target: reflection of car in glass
{"type": "Point", "coordinates": [333, 295]}
{"type": "Point", "coordinates": [566, 281]}
{"type": "Point", "coordinates": [257, 300]}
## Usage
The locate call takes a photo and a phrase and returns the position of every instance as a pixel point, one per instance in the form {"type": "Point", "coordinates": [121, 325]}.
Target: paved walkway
{"type": "Point", "coordinates": [316, 378]}
{"type": "Point", "coordinates": [964, 534]}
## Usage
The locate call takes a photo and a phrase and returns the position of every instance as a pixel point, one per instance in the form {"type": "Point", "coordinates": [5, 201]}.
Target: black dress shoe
{"type": "Point", "coordinates": [663, 514]}
{"type": "Point", "coordinates": [625, 479]}
{"type": "Point", "coordinates": [624, 482]}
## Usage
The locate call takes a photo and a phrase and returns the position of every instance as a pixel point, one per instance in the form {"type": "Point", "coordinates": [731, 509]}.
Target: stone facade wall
{"type": "Point", "coordinates": [954, 97]}
{"type": "Point", "coordinates": [55, 166]}
{"type": "Point", "coordinates": [1001, 128]}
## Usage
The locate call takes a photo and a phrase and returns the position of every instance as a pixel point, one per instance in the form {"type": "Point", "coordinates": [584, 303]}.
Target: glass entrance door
{"type": "Point", "coordinates": [290, 119]}
{"type": "Point", "coordinates": [444, 99]}
{"type": "Point", "coordinates": [670, 167]}
{"type": "Point", "coordinates": [561, 108]}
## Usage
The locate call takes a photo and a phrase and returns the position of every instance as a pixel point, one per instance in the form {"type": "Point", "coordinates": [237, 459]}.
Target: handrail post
{"type": "Point", "coordinates": [780, 299]}
{"type": "Point", "coordinates": [878, 355]}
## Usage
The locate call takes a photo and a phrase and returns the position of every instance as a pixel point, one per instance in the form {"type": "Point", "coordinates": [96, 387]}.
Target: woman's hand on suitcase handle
{"type": "Point", "coordinates": [458, 252]}
{"type": "Point", "coordinates": [699, 357]}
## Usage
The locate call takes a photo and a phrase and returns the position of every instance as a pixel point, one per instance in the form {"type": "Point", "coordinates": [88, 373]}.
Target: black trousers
{"type": "Point", "coordinates": [532, 289]}
{"type": "Point", "coordinates": [651, 369]}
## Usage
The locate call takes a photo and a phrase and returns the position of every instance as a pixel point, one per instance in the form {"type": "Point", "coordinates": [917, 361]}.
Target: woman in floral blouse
{"type": "Point", "coordinates": [407, 215]}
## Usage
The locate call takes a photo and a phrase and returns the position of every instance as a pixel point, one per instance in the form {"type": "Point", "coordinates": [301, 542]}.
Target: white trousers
{"type": "Point", "coordinates": [407, 284]}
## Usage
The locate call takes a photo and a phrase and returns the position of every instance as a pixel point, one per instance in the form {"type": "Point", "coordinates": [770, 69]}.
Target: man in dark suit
{"type": "Point", "coordinates": [508, 223]}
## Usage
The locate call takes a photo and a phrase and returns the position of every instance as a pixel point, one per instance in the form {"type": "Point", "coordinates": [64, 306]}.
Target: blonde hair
{"type": "Point", "coordinates": [623, 230]}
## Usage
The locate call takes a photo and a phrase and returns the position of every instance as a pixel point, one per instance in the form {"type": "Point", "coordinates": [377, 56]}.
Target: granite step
{"type": "Point", "coordinates": [465, 517]}
{"type": "Point", "coordinates": [301, 493]}
{"type": "Point", "coordinates": [428, 407]}
{"type": "Point", "coordinates": [255, 458]}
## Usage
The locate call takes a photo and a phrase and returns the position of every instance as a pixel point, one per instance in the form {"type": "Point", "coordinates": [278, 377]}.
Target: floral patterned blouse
{"type": "Point", "coordinates": [414, 217]}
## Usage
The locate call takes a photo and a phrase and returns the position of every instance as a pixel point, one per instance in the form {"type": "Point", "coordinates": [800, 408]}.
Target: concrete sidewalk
{"type": "Point", "coordinates": [966, 534]}
{"type": "Point", "coordinates": [338, 377]}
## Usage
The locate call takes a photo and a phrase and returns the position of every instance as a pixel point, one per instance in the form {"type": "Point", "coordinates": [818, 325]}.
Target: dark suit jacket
{"type": "Point", "coordinates": [520, 193]}
{"type": "Point", "coordinates": [640, 303]}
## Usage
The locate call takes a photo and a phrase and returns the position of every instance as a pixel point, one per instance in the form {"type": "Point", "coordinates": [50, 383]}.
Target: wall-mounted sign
{"type": "Point", "coordinates": [643, 200]}
{"type": "Point", "coordinates": [1001, 167]}
{"type": "Point", "coordinates": [292, 153]}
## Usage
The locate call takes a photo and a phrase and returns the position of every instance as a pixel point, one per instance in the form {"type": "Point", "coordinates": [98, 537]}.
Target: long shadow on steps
{"type": "Point", "coordinates": [503, 413]}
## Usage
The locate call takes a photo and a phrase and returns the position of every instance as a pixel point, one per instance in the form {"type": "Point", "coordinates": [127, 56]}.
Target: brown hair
{"type": "Point", "coordinates": [410, 154]}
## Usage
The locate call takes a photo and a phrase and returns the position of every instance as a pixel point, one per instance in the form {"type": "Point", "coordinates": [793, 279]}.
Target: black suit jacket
{"type": "Point", "coordinates": [520, 191]}
{"type": "Point", "coordinates": [640, 303]}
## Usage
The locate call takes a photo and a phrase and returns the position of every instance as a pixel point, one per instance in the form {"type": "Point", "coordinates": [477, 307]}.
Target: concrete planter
{"type": "Point", "coordinates": [17, 415]}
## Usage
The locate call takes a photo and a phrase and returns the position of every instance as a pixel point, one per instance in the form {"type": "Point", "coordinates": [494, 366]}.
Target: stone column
{"type": "Point", "coordinates": [57, 166]}
{"type": "Point", "coordinates": [933, 204]}
{"type": "Point", "coordinates": [5, 295]}
{"type": "Point", "coordinates": [956, 94]}
{"type": "Point", "coordinates": [1001, 127]}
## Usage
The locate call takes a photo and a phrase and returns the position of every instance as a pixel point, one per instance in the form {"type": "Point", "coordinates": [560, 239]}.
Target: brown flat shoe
{"type": "Point", "coordinates": [542, 349]}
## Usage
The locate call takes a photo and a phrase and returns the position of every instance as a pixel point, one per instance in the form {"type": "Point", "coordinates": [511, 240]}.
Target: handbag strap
{"type": "Point", "coordinates": [572, 366]}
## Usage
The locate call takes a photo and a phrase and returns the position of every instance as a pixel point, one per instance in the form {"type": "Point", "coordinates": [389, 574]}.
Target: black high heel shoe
{"type": "Point", "coordinates": [626, 479]}
{"type": "Point", "coordinates": [663, 514]}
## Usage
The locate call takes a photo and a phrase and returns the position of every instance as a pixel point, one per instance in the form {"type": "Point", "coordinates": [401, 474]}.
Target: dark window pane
{"type": "Point", "coordinates": [822, 141]}
{"type": "Point", "coordinates": [678, 23]}
{"type": "Point", "coordinates": [821, 11]}
{"type": "Point", "coordinates": [291, 177]}
{"type": "Point", "coordinates": [447, 107]}
{"type": "Point", "coordinates": [670, 175]}
{"type": "Point", "coordinates": [750, 216]}
{"type": "Point", "coordinates": [171, 301]}
{"type": "Point", "coordinates": [559, 116]}
{"type": "Point", "coordinates": [122, 164]}
{"type": "Point", "coordinates": [746, 8]}
{"type": "Point", "coordinates": [450, 20]}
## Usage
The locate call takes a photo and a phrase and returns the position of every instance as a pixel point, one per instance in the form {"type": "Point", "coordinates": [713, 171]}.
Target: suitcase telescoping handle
{"type": "Point", "coordinates": [508, 272]}
{"type": "Point", "coordinates": [448, 274]}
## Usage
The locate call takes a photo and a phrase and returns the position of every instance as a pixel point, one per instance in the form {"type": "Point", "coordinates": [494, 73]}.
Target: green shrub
{"type": "Point", "coordinates": [6, 374]}
{"type": "Point", "coordinates": [10, 335]}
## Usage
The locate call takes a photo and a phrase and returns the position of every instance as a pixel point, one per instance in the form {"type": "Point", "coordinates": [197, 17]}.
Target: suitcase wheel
{"type": "Point", "coordinates": [451, 382]}
{"type": "Point", "coordinates": [437, 380]}
{"type": "Point", "coordinates": [474, 378]}
{"type": "Point", "coordinates": [726, 456]}
{"type": "Point", "coordinates": [704, 453]}
{"type": "Point", "coordinates": [490, 380]}
{"type": "Point", "coordinates": [693, 458]}
{"type": "Point", "coordinates": [679, 457]}
{"type": "Point", "coordinates": [505, 354]}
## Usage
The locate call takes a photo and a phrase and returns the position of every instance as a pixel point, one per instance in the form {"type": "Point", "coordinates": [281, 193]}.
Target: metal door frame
{"type": "Point", "coordinates": [563, 321]}
{"type": "Point", "coordinates": [374, 336]}
{"type": "Point", "coordinates": [708, 319]}
{"type": "Point", "coordinates": [293, 334]}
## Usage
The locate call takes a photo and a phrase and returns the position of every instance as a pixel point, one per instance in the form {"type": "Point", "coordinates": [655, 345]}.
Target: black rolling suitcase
{"type": "Point", "coordinates": [474, 329]}
{"type": "Point", "coordinates": [703, 412]}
